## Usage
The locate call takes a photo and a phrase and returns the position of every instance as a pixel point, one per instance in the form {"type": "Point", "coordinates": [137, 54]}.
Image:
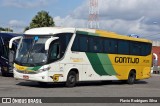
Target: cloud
{"type": "Point", "coordinates": [121, 16]}
{"type": "Point", "coordinates": [69, 21]}
{"type": "Point", "coordinates": [81, 12]}
{"type": "Point", "coordinates": [16, 22]}
{"type": "Point", "coordinates": [17, 25]}
{"type": "Point", "coordinates": [77, 18]}
{"type": "Point", "coordinates": [25, 3]}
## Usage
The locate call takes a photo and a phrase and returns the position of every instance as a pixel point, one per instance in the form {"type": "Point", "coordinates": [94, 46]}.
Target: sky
{"type": "Point", "coordinates": [141, 17]}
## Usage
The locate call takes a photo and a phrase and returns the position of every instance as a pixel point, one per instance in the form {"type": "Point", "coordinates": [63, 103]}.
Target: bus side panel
{"type": "Point", "coordinates": [147, 67]}
{"type": "Point", "coordinates": [100, 66]}
{"type": "Point", "coordinates": [123, 64]}
{"type": "Point", "coordinates": [71, 61]}
{"type": "Point", "coordinates": [91, 66]}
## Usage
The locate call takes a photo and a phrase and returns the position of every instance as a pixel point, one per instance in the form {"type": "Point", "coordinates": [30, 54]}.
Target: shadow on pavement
{"type": "Point", "coordinates": [80, 84]}
{"type": "Point", "coordinates": [8, 75]}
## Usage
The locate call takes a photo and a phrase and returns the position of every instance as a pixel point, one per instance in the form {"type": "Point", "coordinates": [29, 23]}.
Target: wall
{"type": "Point", "coordinates": [156, 50]}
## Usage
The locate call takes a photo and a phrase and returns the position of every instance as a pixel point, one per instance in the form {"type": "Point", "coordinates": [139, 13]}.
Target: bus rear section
{"type": "Point", "coordinates": [109, 56]}
{"type": "Point", "coordinates": [7, 55]}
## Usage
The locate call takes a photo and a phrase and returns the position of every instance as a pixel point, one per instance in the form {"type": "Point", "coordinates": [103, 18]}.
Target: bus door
{"type": "Point", "coordinates": [54, 55]}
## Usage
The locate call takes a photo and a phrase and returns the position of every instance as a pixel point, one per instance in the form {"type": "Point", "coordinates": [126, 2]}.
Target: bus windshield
{"type": "Point", "coordinates": [31, 51]}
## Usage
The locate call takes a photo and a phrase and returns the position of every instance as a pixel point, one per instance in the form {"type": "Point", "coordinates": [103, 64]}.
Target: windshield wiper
{"type": "Point", "coordinates": [30, 51]}
{"type": "Point", "coordinates": [24, 56]}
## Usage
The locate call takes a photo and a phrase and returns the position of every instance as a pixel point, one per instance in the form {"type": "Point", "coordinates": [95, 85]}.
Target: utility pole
{"type": "Point", "coordinates": [93, 21]}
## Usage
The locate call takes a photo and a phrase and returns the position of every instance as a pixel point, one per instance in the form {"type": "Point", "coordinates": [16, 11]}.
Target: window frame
{"type": "Point", "coordinates": [116, 41]}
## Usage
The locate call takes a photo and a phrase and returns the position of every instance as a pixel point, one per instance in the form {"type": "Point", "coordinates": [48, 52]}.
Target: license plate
{"type": "Point", "coordinates": [25, 77]}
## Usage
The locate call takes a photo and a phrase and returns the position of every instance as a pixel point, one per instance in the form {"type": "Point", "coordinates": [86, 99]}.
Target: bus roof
{"type": "Point", "coordinates": [118, 36]}
{"type": "Point", "coordinates": [94, 32]}
{"type": "Point", "coordinates": [54, 30]}
{"type": "Point", "coordinates": [49, 30]}
{"type": "Point", "coordinates": [9, 34]}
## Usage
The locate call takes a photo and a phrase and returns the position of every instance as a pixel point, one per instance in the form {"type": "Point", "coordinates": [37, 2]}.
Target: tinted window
{"type": "Point", "coordinates": [95, 44]}
{"type": "Point", "coordinates": [145, 49]}
{"type": "Point", "coordinates": [87, 43]}
{"type": "Point", "coordinates": [135, 48]}
{"type": "Point", "coordinates": [1, 47]}
{"type": "Point", "coordinates": [55, 51]}
{"type": "Point", "coordinates": [5, 47]}
{"type": "Point", "coordinates": [123, 47]}
{"type": "Point", "coordinates": [64, 39]}
{"type": "Point", "coordinates": [59, 46]}
{"type": "Point", "coordinates": [75, 46]}
{"type": "Point", "coordinates": [110, 46]}
{"type": "Point", "coordinates": [83, 43]}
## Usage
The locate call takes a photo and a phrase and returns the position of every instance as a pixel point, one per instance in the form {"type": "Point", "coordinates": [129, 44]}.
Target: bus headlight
{"type": "Point", "coordinates": [15, 69]}
{"type": "Point", "coordinates": [44, 69]}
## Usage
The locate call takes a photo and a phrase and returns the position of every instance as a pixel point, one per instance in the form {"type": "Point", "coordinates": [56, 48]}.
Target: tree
{"type": "Point", "coordinates": [6, 29]}
{"type": "Point", "coordinates": [26, 28]}
{"type": "Point", "coordinates": [42, 19]}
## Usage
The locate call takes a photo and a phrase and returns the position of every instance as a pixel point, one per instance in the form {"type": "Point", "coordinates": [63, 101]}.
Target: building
{"type": "Point", "coordinates": [156, 56]}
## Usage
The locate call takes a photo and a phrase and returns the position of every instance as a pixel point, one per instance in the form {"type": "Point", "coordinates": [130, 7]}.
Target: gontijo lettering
{"type": "Point", "coordinates": [126, 60]}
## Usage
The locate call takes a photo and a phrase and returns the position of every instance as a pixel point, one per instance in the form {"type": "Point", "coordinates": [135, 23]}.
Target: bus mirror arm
{"type": "Point", "coordinates": [48, 42]}
{"type": "Point", "coordinates": [13, 39]}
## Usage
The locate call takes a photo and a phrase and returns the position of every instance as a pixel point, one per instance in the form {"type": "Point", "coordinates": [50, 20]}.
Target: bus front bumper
{"type": "Point", "coordinates": [39, 77]}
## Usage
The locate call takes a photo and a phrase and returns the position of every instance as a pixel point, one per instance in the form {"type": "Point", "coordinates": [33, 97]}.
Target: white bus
{"type": "Point", "coordinates": [52, 54]}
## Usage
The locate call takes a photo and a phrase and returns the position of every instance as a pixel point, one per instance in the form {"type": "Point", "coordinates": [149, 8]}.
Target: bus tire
{"type": "Point", "coordinates": [0, 70]}
{"type": "Point", "coordinates": [131, 78]}
{"type": "Point", "coordinates": [71, 79]}
{"type": "Point", "coordinates": [3, 73]}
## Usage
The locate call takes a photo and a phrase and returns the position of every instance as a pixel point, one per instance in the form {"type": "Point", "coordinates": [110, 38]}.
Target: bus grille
{"type": "Point", "coordinates": [26, 72]}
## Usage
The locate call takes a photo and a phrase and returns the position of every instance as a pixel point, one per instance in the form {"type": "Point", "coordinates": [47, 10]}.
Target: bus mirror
{"type": "Point", "coordinates": [48, 42]}
{"type": "Point", "coordinates": [13, 39]}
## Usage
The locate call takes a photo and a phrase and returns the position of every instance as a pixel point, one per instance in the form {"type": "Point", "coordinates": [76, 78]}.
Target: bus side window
{"type": "Point", "coordinates": [75, 46]}
{"type": "Point", "coordinates": [135, 48]}
{"type": "Point", "coordinates": [5, 47]}
{"type": "Point", "coordinates": [54, 53]}
{"type": "Point", "coordinates": [1, 47]}
{"type": "Point", "coordinates": [83, 43]}
{"type": "Point", "coordinates": [123, 47]}
{"type": "Point", "coordinates": [110, 46]}
{"type": "Point", "coordinates": [95, 45]}
{"type": "Point", "coordinates": [146, 49]}
{"type": "Point", "coordinates": [106, 46]}
{"type": "Point", "coordinates": [64, 39]}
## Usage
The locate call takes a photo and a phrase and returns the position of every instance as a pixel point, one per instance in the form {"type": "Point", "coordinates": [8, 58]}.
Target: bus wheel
{"type": "Point", "coordinates": [3, 73]}
{"type": "Point", "coordinates": [71, 79]}
{"type": "Point", "coordinates": [0, 70]}
{"type": "Point", "coordinates": [131, 78]}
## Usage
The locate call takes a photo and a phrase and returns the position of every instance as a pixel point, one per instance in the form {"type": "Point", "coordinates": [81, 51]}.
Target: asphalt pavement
{"type": "Point", "coordinates": [10, 87]}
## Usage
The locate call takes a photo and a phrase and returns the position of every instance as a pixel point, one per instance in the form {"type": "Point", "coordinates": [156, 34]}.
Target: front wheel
{"type": "Point", "coordinates": [0, 70]}
{"type": "Point", "coordinates": [71, 79]}
{"type": "Point", "coordinates": [131, 78]}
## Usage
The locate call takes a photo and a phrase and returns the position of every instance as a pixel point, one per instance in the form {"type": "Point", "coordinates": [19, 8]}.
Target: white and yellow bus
{"type": "Point", "coordinates": [70, 55]}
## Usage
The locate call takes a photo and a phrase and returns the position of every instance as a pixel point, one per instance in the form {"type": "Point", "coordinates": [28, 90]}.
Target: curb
{"type": "Point", "coordinates": [155, 74]}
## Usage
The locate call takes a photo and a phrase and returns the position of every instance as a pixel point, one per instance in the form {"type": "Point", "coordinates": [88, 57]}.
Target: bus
{"type": "Point", "coordinates": [6, 54]}
{"type": "Point", "coordinates": [70, 55]}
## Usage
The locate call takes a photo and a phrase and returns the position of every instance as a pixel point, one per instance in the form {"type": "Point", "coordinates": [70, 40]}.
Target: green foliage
{"type": "Point", "coordinates": [26, 28]}
{"type": "Point", "coordinates": [42, 19]}
{"type": "Point", "coordinates": [6, 29]}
